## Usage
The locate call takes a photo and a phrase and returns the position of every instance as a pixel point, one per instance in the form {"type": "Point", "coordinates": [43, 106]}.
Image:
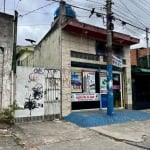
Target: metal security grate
{"type": "Point", "coordinates": [52, 94]}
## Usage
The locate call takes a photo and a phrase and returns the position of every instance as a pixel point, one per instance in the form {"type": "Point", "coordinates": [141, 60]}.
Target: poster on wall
{"type": "Point", "coordinates": [30, 92]}
{"type": "Point", "coordinates": [76, 81]}
{"type": "Point", "coordinates": [103, 83]}
{"type": "Point", "coordinates": [103, 89]}
{"type": "Point", "coordinates": [89, 82]}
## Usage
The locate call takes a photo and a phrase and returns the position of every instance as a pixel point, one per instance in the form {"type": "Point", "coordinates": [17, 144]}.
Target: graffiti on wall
{"type": "Point", "coordinates": [30, 91]}
{"type": "Point", "coordinates": [34, 97]}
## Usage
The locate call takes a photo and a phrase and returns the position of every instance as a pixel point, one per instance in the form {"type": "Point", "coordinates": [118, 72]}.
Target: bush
{"type": "Point", "coordinates": [7, 114]}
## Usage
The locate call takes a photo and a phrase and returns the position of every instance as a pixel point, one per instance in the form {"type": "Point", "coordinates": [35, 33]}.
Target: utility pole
{"type": "Point", "coordinates": [110, 101]}
{"type": "Point", "coordinates": [14, 43]}
{"type": "Point", "coordinates": [147, 45]}
{"type": "Point", "coordinates": [4, 5]}
{"type": "Point", "coordinates": [61, 19]}
{"type": "Point", "coordinates": [13, 75]}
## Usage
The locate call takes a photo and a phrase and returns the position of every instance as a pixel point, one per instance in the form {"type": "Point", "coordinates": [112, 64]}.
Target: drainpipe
{"type": "Point", "coordinates": [2, 49]}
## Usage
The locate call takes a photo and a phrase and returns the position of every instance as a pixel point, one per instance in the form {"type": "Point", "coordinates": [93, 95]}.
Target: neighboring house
{"type": "Point", "coordinates": [25, 55]}
{"type": "Point", "coordinates": [140, 62]}
{"type": "Point", "coordinates": [6, 51]}
{"type": "Point", "coordinates": [140, 57]}
{"type": "Point", "coordinates": [78, 50]}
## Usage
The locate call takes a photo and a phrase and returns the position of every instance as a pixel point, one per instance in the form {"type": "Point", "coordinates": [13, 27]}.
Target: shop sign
{"type": "Point", "coordinates": [116, 61]}
{"type": "Point", "coordinates": [84, 97]}
{"type": "Point", "coordinates": [103, 83]}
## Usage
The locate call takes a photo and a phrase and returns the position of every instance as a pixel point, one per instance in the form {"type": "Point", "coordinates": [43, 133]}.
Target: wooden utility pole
{"type": "Point", "coordinates": [61, 19]}
{"type": "Point", "coordinates": [4, 5]}
{"type": "Point", "coordinates": [15, 42]}
{"type": "Point", "coordinates": [147, 45]}
{"type": "Point", "coordinates": [110, 101]}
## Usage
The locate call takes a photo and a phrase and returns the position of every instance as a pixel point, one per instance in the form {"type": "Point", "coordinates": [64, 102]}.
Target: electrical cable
{"type": "Point", "coordinates": [85, 9]}
{"type": "Point", "coordinates": [131, 13]}
{"type": "Point", "coordinates": [36, 9]}
{"type": "Point", "coordinates": [17, 4]}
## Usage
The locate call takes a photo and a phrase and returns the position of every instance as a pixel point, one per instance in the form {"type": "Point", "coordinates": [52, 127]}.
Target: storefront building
{"type": "Point", "coordinates": [140, 61]}
{"type": "Point", "coordinates": [79, 51]}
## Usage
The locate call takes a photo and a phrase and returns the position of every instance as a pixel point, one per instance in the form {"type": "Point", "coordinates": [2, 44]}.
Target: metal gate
{"type": "Point", "coordinates": [52, 95]}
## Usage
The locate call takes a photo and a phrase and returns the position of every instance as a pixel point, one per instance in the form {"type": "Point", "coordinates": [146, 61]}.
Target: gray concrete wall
{"type": "Point", "coordinates": [6, 41]}
{"type": "Point", "coordinates": [79, 43]}
{"type": "Point", "coordinates": [128, 81]}
{"type": "Point", "coordinates": [47, 54]}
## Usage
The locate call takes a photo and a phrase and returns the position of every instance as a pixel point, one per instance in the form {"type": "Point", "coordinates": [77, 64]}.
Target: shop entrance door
{"type": "Point", "coordinates": [117, 89]}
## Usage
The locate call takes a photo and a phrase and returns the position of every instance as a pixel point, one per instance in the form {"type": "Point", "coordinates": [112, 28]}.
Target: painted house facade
{"type": "Point", "coordinates": [6, 52]}
{"type": "Point", "coordinates": [78, 50]}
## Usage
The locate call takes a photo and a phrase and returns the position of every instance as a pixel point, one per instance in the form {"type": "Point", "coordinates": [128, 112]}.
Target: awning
{"type": "Point", "coordinates": [140, 70]}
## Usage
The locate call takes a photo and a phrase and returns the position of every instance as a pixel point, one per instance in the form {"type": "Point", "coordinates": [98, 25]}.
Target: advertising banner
{"type": "Point", "coordinates": [84, 97]}
{"type": "Point", "coordinates": [76, 81]}
{"type": "Point", "coordinates": [89, 82]}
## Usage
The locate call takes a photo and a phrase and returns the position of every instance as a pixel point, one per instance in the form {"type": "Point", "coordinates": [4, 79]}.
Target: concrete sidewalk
{"type": "Point", "coordinates": [129, 126]}
{"type": "Point", "coordinates": [136, 131]}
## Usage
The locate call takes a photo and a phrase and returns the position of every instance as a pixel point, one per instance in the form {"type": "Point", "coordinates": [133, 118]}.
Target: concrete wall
{"type": "Point", "coordinates": [6, 41]}
{"type": "Point", "coordinates": [127, 79]}
{"type": "Point", "coordinates": [30, 91]}
{"type": "Point", "coordinates": [47, 54]}
{"type": "Point", "coordinates": [74, 42]}
{"type": "Point", "coordinates": [28, 61]}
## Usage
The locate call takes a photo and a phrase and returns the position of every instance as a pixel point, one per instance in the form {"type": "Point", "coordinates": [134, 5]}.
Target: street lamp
{"type": "Point", "coordinates": [2, 50]}
{"type": "Point", "coordinates": [31, 41]}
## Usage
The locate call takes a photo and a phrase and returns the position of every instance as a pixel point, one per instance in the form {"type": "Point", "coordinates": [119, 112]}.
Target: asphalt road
{"type": "Point", "coordinates": [60, 135]}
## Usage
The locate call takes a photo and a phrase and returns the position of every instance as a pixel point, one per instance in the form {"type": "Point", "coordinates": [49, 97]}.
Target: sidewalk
{"type": "Point", "coordinates": [130, 126]}
{"type": "Point", "coordinates": [93, 118]}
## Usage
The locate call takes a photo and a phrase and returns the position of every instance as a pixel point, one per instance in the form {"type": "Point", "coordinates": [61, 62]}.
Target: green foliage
{"type": "Point", "coordinates": [8, 113]}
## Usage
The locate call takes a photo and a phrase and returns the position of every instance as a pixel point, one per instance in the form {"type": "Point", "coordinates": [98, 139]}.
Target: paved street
{"type": "Point", "coordinates": [61, 135]}
{"type": "Point", "coordinates": [87, 130]}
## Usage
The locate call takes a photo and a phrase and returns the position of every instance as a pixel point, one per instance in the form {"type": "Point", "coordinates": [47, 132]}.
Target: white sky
{"type": "Point", "coordinates": [36, 24]}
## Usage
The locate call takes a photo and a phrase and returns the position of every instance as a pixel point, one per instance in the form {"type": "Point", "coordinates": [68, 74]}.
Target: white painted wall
{"type": "Point", "coordinates": [30, 84]}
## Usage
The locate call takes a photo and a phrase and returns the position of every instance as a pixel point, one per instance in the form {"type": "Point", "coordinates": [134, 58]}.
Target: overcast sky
{"type": "Point", "coordinates": [34, 21]}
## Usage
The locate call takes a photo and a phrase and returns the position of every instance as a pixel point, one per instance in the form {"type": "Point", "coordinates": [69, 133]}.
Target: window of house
{"type": "Point", "coordinates": [84, 56]}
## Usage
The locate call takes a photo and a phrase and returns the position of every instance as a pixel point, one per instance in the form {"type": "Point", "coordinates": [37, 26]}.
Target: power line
{"type": "Point", "coordinates": [17, 4]}
{"type": "Point", "coordinates": [105, 15]}
{"type": "Point", "coordinates": [85, 9]}
{"type": "Point", "coordinates": [34, 25]}
{"type": "Point", "coordinates": [35, 10]}
{"type": "Point", "coordinates": [140, 7]}
{"type": "Point", "coordinates": [131, 13]}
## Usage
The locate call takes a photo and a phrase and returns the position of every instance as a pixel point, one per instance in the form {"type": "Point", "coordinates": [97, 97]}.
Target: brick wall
{"type": "Point", "coordinates": [137, 53]}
